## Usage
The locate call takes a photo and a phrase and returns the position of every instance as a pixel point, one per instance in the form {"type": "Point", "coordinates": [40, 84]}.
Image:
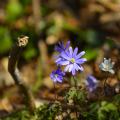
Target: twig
{"type": "Point", "coordinates": [13, 59]}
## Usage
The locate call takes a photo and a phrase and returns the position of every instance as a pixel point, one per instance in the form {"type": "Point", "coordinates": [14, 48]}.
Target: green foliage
{"type": "Point", "coordinates": [92, 114]}
{"type": "Point", "coordinates": [39, 80]}
{"type": "Point", "coordinates": [71, 28]}
{"type": "Point", "coordinates": [95, 110]}
{"type": "Point", "coordinates": [92, 37]}
{"type": "Point", "coordinates": [5, 40]}
{"type": "Point", "coordinates": [13, 10]}
{"type": "Point", "coordinates": [76, 95]}
{"type": "Point", "coordinates": [19, 115]}
{"type": "Point", "coordinates": [44, 112]}
{"type": "Point", "coordinates": [117, 100]}
{"type": "Point", "coordinates": [91, 54]}
{"type": "Point", "coordinates": [25, 2]}
{"type": "Point", "coordinates": [48, 112]}
{"type": "Point", "coordinates": [30, 53]}
{"type": "Point", "coordinates": [103, 110]}
{"type": "Point", "coordinates": [107, 111]}
{"type": "Point", "coordinates": [44, 10]}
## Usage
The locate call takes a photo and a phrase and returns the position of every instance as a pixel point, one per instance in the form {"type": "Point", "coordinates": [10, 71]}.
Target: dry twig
{"type": "Point", "coordinates": [13, 59]}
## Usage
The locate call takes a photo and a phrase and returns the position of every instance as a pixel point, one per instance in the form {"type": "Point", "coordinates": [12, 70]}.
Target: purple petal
{"type": "Point", "coordinates": [70, 67]}
{"type": "Point", "coordinates": [76, 66]}
{"type": "Point", "coordinates": [67, 45]}
{"type": "Point", "coordinates": [81, 61]}
{"type": "Point", "coordinates": [75, 52]}
{"type": "Point", "coordinates": [59, 47]}
{"type": "Point", "coordinates": [65, 56]}
{"type": "Point", "coordinates": [59, 59]}
{"type": "Point", "coordinates": [57, 75]}
{"type": "Point", "coordinates": [59, 80]}
{"type": "Point", "coordinates": [66, 68]}
{"type": "Point", "coordinates": [63, 62]}
{"type": "Point", "coordinates": [73, 71]}
{"type": "Point", "coordinates": [81, 68]}
{"type": "Point", "coordinates": [80, 54]}
{"type": "Point", "coordinates": [71, 51]}
{"type": "Point", "coordinates": [92, 83]}
{"type": "Point", "coordinates": [55, 80]}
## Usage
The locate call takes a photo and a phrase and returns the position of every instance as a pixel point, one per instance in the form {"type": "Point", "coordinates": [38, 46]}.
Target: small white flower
{"type": "Point", "coordinates": [107, 66]}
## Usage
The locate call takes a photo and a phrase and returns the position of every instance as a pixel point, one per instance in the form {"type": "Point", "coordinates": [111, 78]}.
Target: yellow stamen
{"type": "Point", "coordinates": [72, 60]}
{"type": "Point", "coordinates": [56, 75]}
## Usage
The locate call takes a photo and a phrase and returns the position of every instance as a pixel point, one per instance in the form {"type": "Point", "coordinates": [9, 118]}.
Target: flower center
{"type": "Point", "coordinates": [56, 75]}
{"type": "Point", "coordinates": [106, 67]}
{"type": "Point", "coordinates": [72, 60]}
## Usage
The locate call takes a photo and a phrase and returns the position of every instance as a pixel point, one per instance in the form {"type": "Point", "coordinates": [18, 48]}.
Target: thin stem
{"type": "Point", "coordinates": [55, 92]}
{"type": "Point", "coordinates": [75, 82]}
{"type": "Point", "coordinates": [104, 85]}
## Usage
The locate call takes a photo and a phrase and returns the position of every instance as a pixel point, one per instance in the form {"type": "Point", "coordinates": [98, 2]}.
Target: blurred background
{"type": "Point", "coordinates": [92, 25]}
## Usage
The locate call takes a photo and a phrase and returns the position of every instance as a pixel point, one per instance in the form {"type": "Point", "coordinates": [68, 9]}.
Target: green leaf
{"type": "Point", "coordinates": [117, 99]}
{"type": "Point", "coordinates": [25, 2]}
{"type": "Point", "coordinates": [91, 54]}
{"type": "Point", "coordinates": [70, 27]}
{"type": "Point", "coordinates": [105, 109]}
{"type": "Point", "coordinates": [93, 37]}
{"type": "Point", "coordinates": [13, 10]}
{"type": "Point", "coordinates": [5, 40]}
{"type": "Point", "coordinates": [30, 53]}
{"type": "Point", "coordinates": [94, 107]}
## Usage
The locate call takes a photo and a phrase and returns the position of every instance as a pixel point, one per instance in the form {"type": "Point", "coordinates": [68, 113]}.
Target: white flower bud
{"type": "Point", "coordinates": [107, 66]}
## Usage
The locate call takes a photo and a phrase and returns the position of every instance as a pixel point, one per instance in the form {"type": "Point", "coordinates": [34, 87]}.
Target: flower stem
{"type": "Point", "coordinates": [104, 85]}
{"type": "Point", "coordinates": [55, 92]}
{"type": "Point", "coordinates": [75, 82]}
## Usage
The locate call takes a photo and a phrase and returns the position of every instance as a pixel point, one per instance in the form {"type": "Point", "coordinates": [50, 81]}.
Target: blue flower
{"type": "Point", "coordinates": [72, 60]}
{"type": "Point", "coordinates": [107, 66]}
{"type": "Point", "coordinates": [91, 83]}
{"type": "Point", "coordinates": [57, 75]}
{"type": "Point", "coordinates": [60, 46]}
